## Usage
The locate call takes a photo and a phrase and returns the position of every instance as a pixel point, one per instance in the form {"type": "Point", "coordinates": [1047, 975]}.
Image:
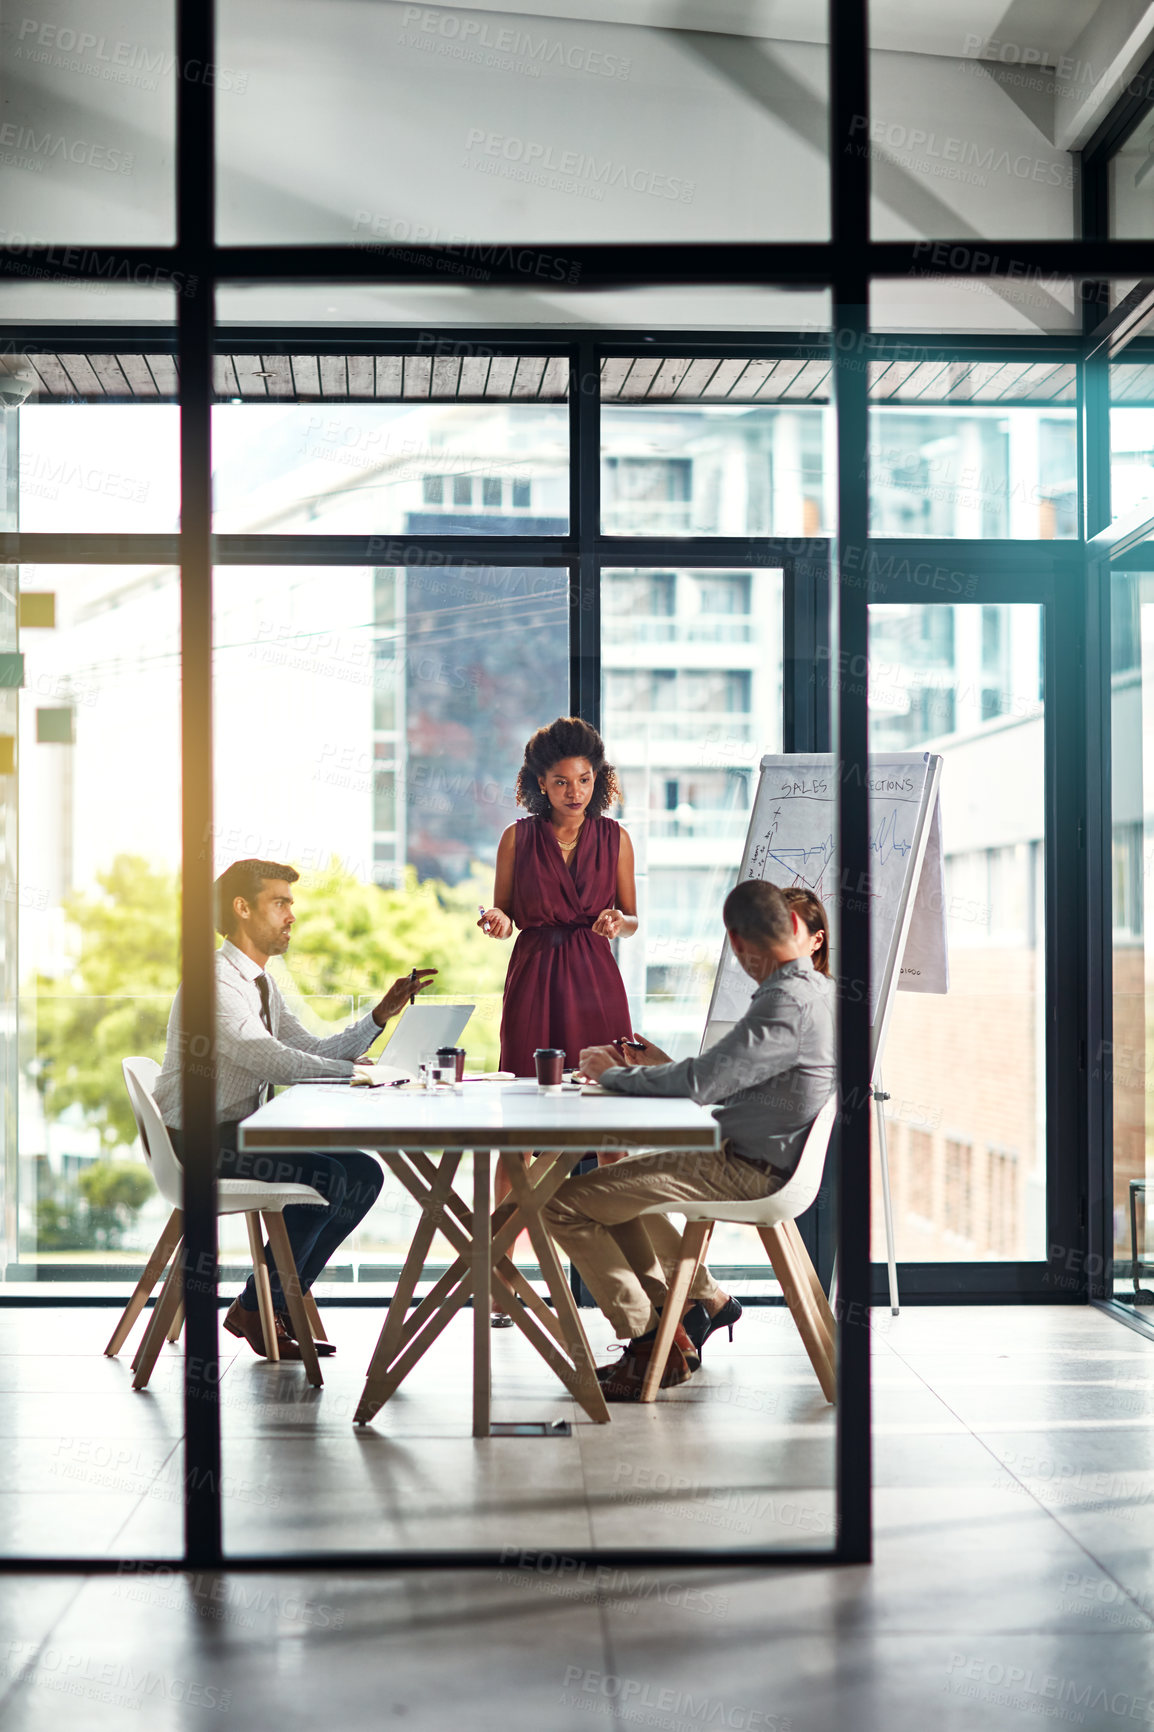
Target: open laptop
{"type": "Point", "coordinates": [421, 1030]}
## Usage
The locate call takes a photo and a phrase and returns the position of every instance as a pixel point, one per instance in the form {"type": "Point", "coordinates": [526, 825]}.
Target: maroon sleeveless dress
{"type": "Point", "coordinates": [563, 987]}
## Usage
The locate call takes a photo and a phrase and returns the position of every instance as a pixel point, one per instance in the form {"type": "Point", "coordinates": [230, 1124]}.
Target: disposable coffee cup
{"type": "Point", "coordinates": [550, 1062]}
{"type": "Point", "coordinates": [454, 1055]}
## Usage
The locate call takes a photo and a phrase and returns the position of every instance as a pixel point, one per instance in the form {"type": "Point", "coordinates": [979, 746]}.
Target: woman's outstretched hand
{"type": "Point", "coordinates": [495, 923]}
{"type": "Point", "coordinates": [609, 923]}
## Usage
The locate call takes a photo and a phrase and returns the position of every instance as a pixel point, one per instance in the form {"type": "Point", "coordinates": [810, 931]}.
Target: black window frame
{"type": "Point", "coordinates": [844, 264]}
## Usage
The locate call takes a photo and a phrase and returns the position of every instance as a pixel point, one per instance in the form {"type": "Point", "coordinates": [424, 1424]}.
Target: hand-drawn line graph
{"type": "Point", "coordinates": [808, 863]}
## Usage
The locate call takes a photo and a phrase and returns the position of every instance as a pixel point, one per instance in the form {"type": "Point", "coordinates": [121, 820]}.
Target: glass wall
{"type": "Point", "coordinates": [349, 468]}
{"type": "Point", "coordinates": [691, 700]}
{"type": "Point", "coordinates": [966, 1072]}
{"type": "Point", "coordinates": [1126, 1066]}
{"type": "Point", "coordinates": [1131, 437]}
{"type": "Point", "coordinates": [389, 708]}
{"type": "Point", "coordinates": [710, 469]}
{"type": "Point", "coordinates": [980, 472]}
{"type": "Point", "coordinates": [99, 810]}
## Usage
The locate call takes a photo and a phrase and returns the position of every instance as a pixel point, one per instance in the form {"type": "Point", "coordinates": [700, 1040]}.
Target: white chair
{"type": "Point", "coordinates": [234, 1197]}
{"type": "Point", "coordinates": [775, 1220]}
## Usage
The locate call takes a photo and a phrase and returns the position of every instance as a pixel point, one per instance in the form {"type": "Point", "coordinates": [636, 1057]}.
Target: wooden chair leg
{"type": "Point", "coordinates": [263, 1285]}
{"type": "Point", "coordinates": [291, 1288]}
{"type": "Point", "coordinates": [177, 1323]}
{"type": "Point", "coordinates": [162, 1314]}
{"type": "Point", "coordinates": [806, 1277]}
{"type": "Point", "coordinates": [802, 1257]}
{"type": "Point", "coordinates": [693, 1242]}
{"type": "Point", "coordinates": [314, 1318]}
{"type": "Point", "coordinates": [795, 1289]}
{"type": "Point", "coordinates": [153, 1270]}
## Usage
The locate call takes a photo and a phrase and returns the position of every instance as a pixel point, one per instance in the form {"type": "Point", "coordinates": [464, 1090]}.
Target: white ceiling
{"type": "Point", "coordinates": [911, 26]}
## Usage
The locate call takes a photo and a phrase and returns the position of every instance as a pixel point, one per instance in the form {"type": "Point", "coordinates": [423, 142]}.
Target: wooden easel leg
{"type": "Point", "coordinates": [153, 1270]}
{"type": "Point", "coordinates": [880, 1098]}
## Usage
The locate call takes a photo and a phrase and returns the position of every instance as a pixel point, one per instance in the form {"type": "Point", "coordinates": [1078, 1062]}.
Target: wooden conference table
{"type": "Point", "coordinates": [483, 1119]}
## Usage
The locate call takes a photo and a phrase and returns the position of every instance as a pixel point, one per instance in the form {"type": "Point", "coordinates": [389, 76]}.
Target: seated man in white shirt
{"type": "Point", "coordinates": [258, 1042]}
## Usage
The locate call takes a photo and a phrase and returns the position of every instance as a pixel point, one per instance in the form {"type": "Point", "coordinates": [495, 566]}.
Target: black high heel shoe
{"type": "Point", "coordinates": [699, 1325]}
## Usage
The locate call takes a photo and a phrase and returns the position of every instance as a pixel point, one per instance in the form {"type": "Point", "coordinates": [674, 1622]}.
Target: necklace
{"type": "Point", "coordinates": [568, 847]}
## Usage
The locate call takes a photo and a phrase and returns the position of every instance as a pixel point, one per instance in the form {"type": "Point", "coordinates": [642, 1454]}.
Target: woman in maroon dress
{"type": "Point", "coordinates": [565, 879]}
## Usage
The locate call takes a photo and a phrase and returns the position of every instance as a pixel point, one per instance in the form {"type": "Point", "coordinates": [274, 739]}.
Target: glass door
{"type": "Point", "coordinates": [966, 1070]}
{"type": "Point", "coordinates": [1127, 1054]}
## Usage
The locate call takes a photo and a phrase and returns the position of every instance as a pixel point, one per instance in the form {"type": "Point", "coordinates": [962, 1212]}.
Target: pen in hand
{"type": "Point", "coordinates": [413, 983]}
{"type": "Point", "coordinates": [482, 911]}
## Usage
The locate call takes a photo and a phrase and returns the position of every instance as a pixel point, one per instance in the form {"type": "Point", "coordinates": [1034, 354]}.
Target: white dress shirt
{"type": "Point", "coordinates": [247, 1055]}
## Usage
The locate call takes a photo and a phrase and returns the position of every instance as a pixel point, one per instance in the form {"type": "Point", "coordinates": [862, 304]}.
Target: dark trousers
{"type": "Point", "coordinates": [350, 1183]}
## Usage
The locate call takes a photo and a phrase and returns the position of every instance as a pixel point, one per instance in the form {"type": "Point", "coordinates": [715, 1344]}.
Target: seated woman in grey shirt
{"type": "Point", "coordinates": [767, 1079]}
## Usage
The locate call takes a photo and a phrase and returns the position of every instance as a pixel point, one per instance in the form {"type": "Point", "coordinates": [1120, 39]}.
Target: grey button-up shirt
{"type": "Point", "coordinates": [768, 1078]}
{"type": "Point", "coordinates": [247, 1055]}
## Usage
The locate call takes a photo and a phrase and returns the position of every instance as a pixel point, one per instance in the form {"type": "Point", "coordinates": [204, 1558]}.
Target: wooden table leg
{"type": "Point", "coordinates": [482, 1290]}
{"type": "Point", "coordinates": [377, 1390]}
{"type": "Point", "coordinates": [432, 1211]}
{"type": "Point", "coordinates": [586, 1388]}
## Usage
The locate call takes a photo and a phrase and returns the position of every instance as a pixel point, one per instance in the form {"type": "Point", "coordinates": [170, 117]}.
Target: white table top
{"type": "Point", "coordinates": [481, 1115]}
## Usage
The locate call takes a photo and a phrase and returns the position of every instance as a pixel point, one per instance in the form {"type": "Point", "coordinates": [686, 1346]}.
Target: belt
{"type": "Point", "coordinates": [767, 1167]}
{"type": "Point", "coordinates": [557, 935]}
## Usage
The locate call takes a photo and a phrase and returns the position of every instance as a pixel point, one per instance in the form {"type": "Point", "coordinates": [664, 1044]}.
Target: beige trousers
{"type": "Point", "coordinates": [626, 1259]}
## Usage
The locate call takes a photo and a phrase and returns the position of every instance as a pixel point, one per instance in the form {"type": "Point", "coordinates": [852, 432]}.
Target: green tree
{"type": "Point", "coordinates": [115, 1192]}
{"type": "Point", "coordinates": [114, 1001]}
{"type": "Point", "coordinates": [354, 939]}
{"type": "Point", "coordinates": [107, 1198]}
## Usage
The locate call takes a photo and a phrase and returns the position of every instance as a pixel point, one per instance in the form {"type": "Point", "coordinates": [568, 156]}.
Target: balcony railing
{"type": "Point", "coordinates": [625, 629]}
{"type": "Point", "coordinates": [717, 728]}
{"type": "Point", "coordinates": [724, 826]}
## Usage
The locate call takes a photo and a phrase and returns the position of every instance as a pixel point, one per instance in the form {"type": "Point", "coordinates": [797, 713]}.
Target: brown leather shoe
{"type": "Point", "coordinates": [681, 1340]}
{"type": "Point", "coordinates": [622, 1382]}
{"type": "Point", "coordinates": [284, 1327]}
{"type": "Point", "coordinates": [246, 1325]}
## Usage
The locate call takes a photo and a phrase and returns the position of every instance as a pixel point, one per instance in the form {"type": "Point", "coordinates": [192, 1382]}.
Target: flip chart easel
{"type": "Point", "coordinates": [792, 841]}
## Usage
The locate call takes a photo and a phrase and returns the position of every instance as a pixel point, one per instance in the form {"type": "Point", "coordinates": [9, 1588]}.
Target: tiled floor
{"type": "Point", "coordinates": [1014, 1579]}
